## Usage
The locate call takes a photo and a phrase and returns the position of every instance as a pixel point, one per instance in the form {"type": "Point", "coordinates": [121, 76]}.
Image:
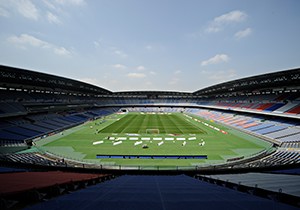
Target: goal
{"type": "Point", "coordinates": [152, 131]}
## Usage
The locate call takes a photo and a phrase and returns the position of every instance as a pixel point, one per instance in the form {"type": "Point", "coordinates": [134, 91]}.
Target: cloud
{"type": "Point", "coordinates": [213, 28]}
{"type": "Point", "coordinates": [26, 8]}
{"type": "Point", "coordinates": [234, 16]}
{"type": "Point", "coordinates": [60, 5]}
{"type": "Point", "coordinates": [120, 53]}
{"type": "Point", "coordinates": [53, 18]}
{"type": "Point", "coordinates": [219, 22]}
{"type": "Point", "coordinates": [216, 59]}
{"type": "Point", "coordinates": [61, 51]}
{"type": "Point", "coordinates": [96, 44]}
{"type": "Point", "coordinates": [119, 66]}
{"type": "Point", "coordinates": [140, 68]}
{"type": "Point", "coordinates": [51, 6]}
{"type": "Point", "coordinates": [136, 75]}
{"type": "Point", "coordinates": [71, 2]}
{"type": "Point", "coordinates": [152, 73]}
{"type": "Point", "coordinates": [25, 40]}
{"type": "Point", "coordinates": [243, 33]}
{"type": "Point", "coordinates": [59, 8]}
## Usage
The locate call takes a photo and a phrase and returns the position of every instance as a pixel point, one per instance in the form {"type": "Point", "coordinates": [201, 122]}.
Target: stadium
{"type": "Point", "coordinates": [239, 139]}
{"type": "Point", "coordinates": [158, 104]}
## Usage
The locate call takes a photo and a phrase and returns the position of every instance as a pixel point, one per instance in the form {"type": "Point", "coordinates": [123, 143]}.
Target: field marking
{"type": "Point", "coordinates": [137, 143]}
{"type": "Point", "coordinates": [118, 142]}
{"type": "Point", "coordinates": [180, 139]}
{"type": "Point", "coordinates": [169, 139]}
{"type": "Point", "coordinates": [132, 134]}
{"type": "Point", "coordinates": [133, 138]}
{"type": "Point", "coordinates": [215, 128]}
{"type": "Point", "coordinates": [97, 142]}
{"type": "Point", "coordinates": [160, 143]}
{"type": "Point", "coordinates": [157, 138]}
{"type": "Point", "coordinates": [146, 138]}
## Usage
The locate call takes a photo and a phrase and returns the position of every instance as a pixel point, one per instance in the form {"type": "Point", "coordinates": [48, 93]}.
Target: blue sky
{"type": "Point", "coordinates": [176, 45]}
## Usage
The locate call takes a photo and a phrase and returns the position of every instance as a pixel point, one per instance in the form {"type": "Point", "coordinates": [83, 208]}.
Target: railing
{"type": "Point", "coordinates": [94, 164]}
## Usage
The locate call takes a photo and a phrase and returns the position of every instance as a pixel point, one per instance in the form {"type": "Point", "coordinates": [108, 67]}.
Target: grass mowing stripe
{"type": "Point", "coordinates": [182, 125]}
{"type": "Point", "coordinates": [144, 124]}
{"type": "Point", "coordinates": [117, 126]}
{"type": "Point", "coordinates": [194, 128]}
{"type": "Point", "coordinates": [131, 125]}
{"type": "Point", "coordinates": [185, 126]}
{"type": "Point", "coordinates": [161, 124]}
{"type": "Point", "coordinates": [154, 122]}
{"type": "Point", "coordinates": [173, 128]}
{"type": "Point", "coordinates": [134, 125]}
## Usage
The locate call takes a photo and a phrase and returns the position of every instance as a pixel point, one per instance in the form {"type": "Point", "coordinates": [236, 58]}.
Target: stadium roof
{"type": "Point", "coordinates": [22, 77]}
{"type": "Point", "coordinates": [280, 79]}
{"type": "Point", "coordinates": [153, 93]}
{"type": "Point", "coordinates": [283, 80]}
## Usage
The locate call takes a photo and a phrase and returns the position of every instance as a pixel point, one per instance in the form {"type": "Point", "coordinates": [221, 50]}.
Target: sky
{"type": "Point", "coordinates": [157, 45]}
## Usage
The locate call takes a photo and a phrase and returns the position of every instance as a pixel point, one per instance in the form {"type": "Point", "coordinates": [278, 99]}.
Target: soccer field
{"type": "Point", "coordinates": [146, 139]}
{"type": "Point", "coordinates": [164, 123]}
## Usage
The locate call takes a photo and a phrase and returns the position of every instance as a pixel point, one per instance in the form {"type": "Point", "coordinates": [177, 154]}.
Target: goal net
{"type": "Point", "coordinates": [152, 131]}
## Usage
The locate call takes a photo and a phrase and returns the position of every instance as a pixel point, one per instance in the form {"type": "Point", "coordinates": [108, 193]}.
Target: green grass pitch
{"type": "Point", "coordinates": [119, 134]}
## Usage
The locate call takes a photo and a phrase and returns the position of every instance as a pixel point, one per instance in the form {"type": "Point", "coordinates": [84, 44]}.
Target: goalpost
{"type": "Point", "coordinates": [152, 131]}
